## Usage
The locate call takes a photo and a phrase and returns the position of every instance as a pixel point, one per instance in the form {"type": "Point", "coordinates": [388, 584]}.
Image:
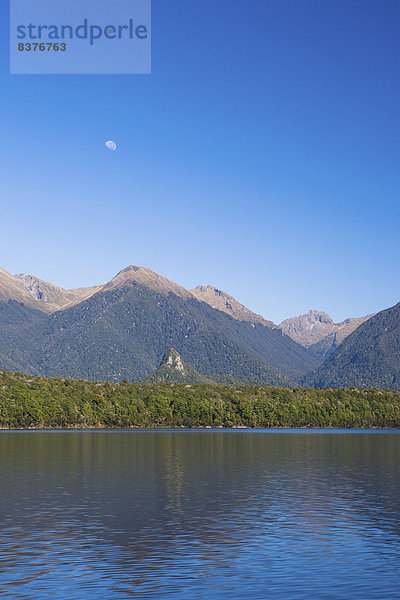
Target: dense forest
{"type": "Point", "coordinates": [37, 402]}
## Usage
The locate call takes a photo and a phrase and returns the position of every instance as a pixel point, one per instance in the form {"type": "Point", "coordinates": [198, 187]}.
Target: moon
{"type": "Point", "coordinates": [111, 145]}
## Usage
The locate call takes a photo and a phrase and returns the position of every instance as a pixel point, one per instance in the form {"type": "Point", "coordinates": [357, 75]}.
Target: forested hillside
{"type": "Point", "coordinates": [123, 331]}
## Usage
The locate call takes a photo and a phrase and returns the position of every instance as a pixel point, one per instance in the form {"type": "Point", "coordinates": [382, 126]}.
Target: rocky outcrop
{"type": "Point", "coordinates": [174, 370]}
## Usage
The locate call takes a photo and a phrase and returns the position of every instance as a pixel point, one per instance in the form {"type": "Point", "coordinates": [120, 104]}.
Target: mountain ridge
{"type": "Point", "coordinates": [220, 300]}
{"type": "Point", "coordinates": [124, 327]}
{"type": "Point", "coordinates": [53, 296]}
{"type": "Point", "coordinates": [121, 329]}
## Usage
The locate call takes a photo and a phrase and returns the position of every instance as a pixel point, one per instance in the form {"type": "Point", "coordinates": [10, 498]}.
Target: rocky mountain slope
{"type": "Point", "coordinates": [316, 330]}
{"type": "Point", "coordinates": [14, 290]}
{"type": "Point", "coordinates": [368, 357]}
{"type": "Point", "coordinates": [32, 292]}
{"type": "Point", "coordinates": [51, 297]}
{"type": "Point", "coordinates": [222, 301]}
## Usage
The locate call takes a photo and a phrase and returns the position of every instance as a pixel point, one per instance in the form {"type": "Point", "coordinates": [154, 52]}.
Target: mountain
{"type": "Point", "coordinates": [14, 290]}
{"type": "Point", "coordinates": [124, 328]}
{"type": "Point", "coordinates": [222, 301]}
{"type": "Point", "coordinates": [368, 357]}
{"type": "Point", "coordinates": [32, 292]}
{"type": "Point", "coordinates": [147, 278]}
{"type": "Point", "coordinates": [317, 331]}
{"type": "Point", "coordinates": [309, 328]}
{"type": "Point", "coordinates": [51, 297]}
{"type": "Point", "coordinates": [174, 370]}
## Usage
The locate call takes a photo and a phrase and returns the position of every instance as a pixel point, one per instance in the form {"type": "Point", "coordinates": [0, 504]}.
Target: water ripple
{"type": "Point", "coordinates": [210, 515]}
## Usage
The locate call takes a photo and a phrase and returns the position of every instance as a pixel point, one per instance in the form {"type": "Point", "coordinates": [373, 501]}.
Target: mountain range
{"type": "Point", "coordinates": [124, 328]}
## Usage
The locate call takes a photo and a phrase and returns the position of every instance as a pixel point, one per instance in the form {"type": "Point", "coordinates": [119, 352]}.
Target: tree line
{"type": "Point", "coordinates": [39, 402]}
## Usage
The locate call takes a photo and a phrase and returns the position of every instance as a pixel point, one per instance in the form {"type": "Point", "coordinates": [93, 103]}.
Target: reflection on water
{"type": "Point", "coordinates": [200, 514]}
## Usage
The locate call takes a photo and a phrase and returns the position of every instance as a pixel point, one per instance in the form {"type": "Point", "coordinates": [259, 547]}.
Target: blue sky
{"type": "Point", "coordinates": [261, 155]}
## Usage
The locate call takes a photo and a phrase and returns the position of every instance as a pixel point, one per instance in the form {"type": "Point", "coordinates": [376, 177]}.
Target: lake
{"type": "Point", "coordinates": [277, 514]}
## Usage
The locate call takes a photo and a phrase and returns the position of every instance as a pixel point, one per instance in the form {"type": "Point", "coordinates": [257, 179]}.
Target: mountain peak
{"type": "Point", "coordinates": [148, 278]}
{"type": "Point", "coordinates": [309, 328]}
{"type": "Point", "coordinates": [133, 268]}
{"type": "Point", "coordinates": [316, 327]}
{"type": "Point", "coordinates": [319, 316]}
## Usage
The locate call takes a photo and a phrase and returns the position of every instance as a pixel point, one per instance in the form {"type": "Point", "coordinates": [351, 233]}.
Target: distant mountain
{"type": "Point", "coordinates": [174, 370]}
{"type": "Point", "coordinates": [123, 329]}
{"type": "Point", "coordinates": [317, 331]}
{"type": "Point", "coordinates": [51, 297]}
{"type": "Point", "coordinates": [222, 301]}
{"type": "Point", "coordinates": [14, 290]}
{"type": "Point", "coordinates": [309, 328]}
{"type": "Point", "coordinates": [368, 357]}
{"type": "Point", "coordinates": [32, 292]}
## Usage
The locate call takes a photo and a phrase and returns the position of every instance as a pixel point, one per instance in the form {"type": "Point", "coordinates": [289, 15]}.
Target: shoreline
{"type": "Point", "coordinates": [205, 428]}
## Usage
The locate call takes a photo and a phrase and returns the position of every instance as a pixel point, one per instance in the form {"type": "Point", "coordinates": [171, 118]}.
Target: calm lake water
{"type": "Point", "coordinates": [200, 514]}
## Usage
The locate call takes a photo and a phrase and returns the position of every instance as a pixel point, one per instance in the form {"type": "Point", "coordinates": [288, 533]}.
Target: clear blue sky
{"type": "Point", "coordinates": [261, 155]}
